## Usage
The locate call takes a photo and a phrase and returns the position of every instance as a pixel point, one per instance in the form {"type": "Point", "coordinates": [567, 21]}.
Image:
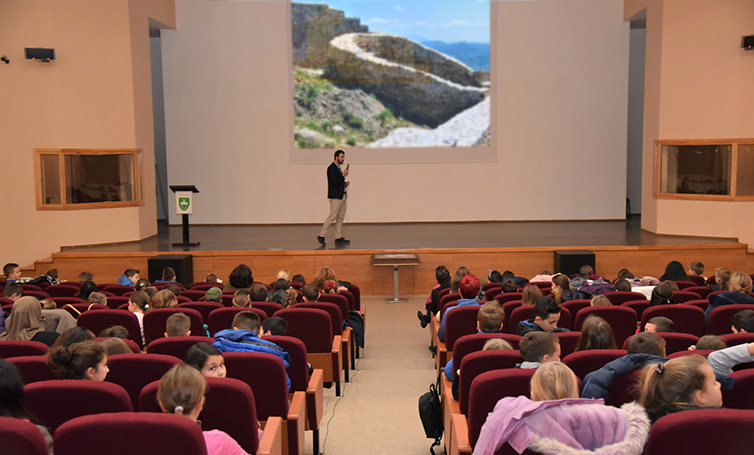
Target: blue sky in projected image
{"type": "Point", "coordinates": [421, 20]}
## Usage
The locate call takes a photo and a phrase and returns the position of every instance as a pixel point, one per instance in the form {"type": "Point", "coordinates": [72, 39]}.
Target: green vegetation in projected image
{"type": "Point", "coordinates": [391, 73]}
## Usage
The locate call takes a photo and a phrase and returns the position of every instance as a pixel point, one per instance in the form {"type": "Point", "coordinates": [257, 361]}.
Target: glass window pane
{"type": "Point", "coordinates": [695, 169]}
{"type": "Point", "coordinates": [50, 179]}
{"type": "Point", "coordinates": [745, 170]}
{"type": "Point", "coordinates": [99, 178]}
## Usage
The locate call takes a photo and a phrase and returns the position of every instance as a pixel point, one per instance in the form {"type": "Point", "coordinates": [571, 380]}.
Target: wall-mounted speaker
{"type": "Point", "coordinates": [747, 42]}
{"type": "Point", "coordinates": [40, 54]}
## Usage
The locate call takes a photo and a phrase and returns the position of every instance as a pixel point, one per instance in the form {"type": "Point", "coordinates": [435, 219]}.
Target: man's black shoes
{"type": "Point", "coordinates": [341, 241]}
{"type": "Point", "coordinates": [321, 240]}
{"type": "Point", "coordinates": [424, 318]}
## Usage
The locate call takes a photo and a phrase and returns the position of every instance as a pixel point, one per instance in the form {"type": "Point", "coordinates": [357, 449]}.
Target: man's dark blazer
{"type": "Point", "coordinates": [336, 183]}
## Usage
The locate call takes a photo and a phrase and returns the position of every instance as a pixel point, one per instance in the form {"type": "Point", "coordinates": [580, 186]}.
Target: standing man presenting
{"type": "Point", "coordinates": [336, 193]}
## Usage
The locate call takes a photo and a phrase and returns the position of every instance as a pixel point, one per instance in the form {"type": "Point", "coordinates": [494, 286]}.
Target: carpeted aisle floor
{"type": "Point", "coordinates": [378, 411]}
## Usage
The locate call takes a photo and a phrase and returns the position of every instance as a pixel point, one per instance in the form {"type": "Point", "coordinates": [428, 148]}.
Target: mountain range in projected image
{"type": "Point", "coordinates": [391, 73]}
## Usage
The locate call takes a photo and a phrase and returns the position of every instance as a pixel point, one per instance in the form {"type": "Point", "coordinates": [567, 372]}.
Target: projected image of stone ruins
{"type": "Point", "coordinates": [353, 87]}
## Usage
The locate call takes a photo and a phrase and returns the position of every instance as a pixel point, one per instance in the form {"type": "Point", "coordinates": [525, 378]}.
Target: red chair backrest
{"type": "Point", "coordinates": [21, 437]}
{"type": "Point", "coordinates": [332, 309]}
{"type": "Point", "coordinates": [63, 290]}
{"type": "Point", "coordinates": [584, 362]}
{"type": "Point", "coordinates": [508, 307]}
{"type": "Point", "coordinates": [131, 344]}
{"type": "Point", "coordinates": [687, 318]}
{"type": "Point", "coordinates": [447, 298]}
{"type": "Point", "coordinates": [702, 352]}
{"type": "Point", "coordinates": [356, 291]}
{"type": "Point", "coordinates": [637, 305]}
{"type": "Point", "coordinates": [480, 362]}
{"type": "Point", "coordinates": [222, 318]}
{"type": "Point", "coordinates": [697, 280]}
{"type": "Point", "coordinates": [57, 401]}
{"type": "Point", "coordinates": [623, 390]}
{"type": "Point", "coordinates": [460, 321]}
{"type": "Point", "coordinates": [618, 297]}
{"type": "Point", "coordinates": [128, 433]}
{"type": "Point", "coordinates": [176, 346]}
{"type": "Point", "coordinates": [349, 297]}
{"type": "Point", "coordinates": [475, 342]}
{"type": "Point", "coordinates": [568, 342]}
{"type": "Point", "coordinates": [268, 307]}
{"type": "Point", "coordinates": [702, 431]}
{"type": "Point", "coordinates": [134, 371]}
{"type": "Point", "coordinates": [310, 325]}
{"type": "Point", "coordinates": [508, 296]}
{"type": "Point", "coordinates": [265, 374]}
{"type": "Point", "coordinates": [99, 320]}
{"type": "Point", "coordinates": [195, 294]}
{"type": "Point", "coordinates": [17, 348]}
{"type": "Point", "coordinates": [621, 319]}
{"type": "Point", "coordinates": [677, 341]}
{"type": "Point", "coordinates": [204, 308]}
{"type": "Point", "coordinates": [339, 300]}
{"type": "Point", "coordinates": [490, 387]}
{"type": "Point", "coordinates": [741, 396]}
{"type": "Point", "coordinates": [703, 291]}
{"type": "Point", "coordinates": [77, 309]}
{"type": "Point", "coordinates": [682, 285]}
{"type": "Point", "coordinates": [118, 289]}
{"type": "Point", "coordinates": [685, 296]}
{"type": "Point", "coordinates": [298, 369]}
{"type": "Point", "coordinates": [701, 303]}
{"type": "Point", "coordinates": [32, 368]}
{"type": "Point", "coordinates": [719, 318]}
{"type": "Point", "coordinates": [114, 302]}
{"type": "Point", "coordinates": [733, 339]}
{"type": "Point", "coordinates": [154, 322]}
{"type": "Point", "coordinates": [573, 306]}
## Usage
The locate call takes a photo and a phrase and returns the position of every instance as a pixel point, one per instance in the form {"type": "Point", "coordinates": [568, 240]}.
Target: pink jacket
{"type": "Point", "coordinates": [564, 427]}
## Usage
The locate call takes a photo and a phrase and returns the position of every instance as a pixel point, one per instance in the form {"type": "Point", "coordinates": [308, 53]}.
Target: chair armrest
{"type": "Point", "coordinates": [296, 420]}
{"type": "Point", "coordinates": [272, 438]}
{"type": "Point", "coordinates": [336, 341]}
{"type": "Point", "coordinates": [442, 355]}
{"type": "Point", "coordinates": [460, 440]}
{"type": "Point", "coordinates": [315, 399]}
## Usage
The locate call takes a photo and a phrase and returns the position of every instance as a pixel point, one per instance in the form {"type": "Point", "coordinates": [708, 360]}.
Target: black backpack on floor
{"type": "Point", "coordinates": [430, 413]}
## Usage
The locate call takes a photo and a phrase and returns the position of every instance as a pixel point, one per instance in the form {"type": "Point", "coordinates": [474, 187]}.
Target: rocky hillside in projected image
{"type": "Point", "coordinates": [353, 87]}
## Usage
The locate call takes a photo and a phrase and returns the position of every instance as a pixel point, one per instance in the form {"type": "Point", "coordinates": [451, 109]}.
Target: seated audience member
{"type": "Point", "coordinates": [489, 320]}
{"type": "Point", "coordinates": [72, 336]}
{"type": "Point", "coordinates": [462, 271]}
{"type": "Point", "coordinates": [174, 289]}
{"type": "Point", "coordinates": [52, 276]}
{"type": "Point", "coordinates": [182, 391]}
{"type": "Point", "coordinates": [469, 289]}
{"type": "Point", "coordinates": [213, 294]}
{"type": "Point", "coordinates": [86, 276]}
{"type": "Point", "coordinates": [142, 284]}
{"type": "Point", "coordinates": [240, 278]}
{"type": "Point", "coordinates": [259, 293]}
{"type": "Point", "coordinates": [13, 400]}
{"type": "Point", "coordinates": [48, 304]}
{"type": "Point", "coordinates": [587, 272]}
{"type": "Point", "coordinates": [311, 293]}
{"type": "Point", "coordinates": [661, 295]}
{"type": "Point", "coordinates": [13, 291]}
{"type": "Point", "coordinates": [643, 349]}
{"type": "Point", "coordinates": [659, 324]}
{"type": "Point", "coordinates": [116, 331]}
{"type": "Point", "coordinates": [495, 276]}
{"type": "Point", "coordinates": [552, 421]}
{"type": "Point", "coordinates": [84, 360]}
{"type": "Point", "coordinates": [723, 360]}
{"type": "Point", "coordinates": [212, 278]}
{"type": "Point", "coordinates": [546, 317]}
{"type": "Point", "coordinates": [12, 272]}
{"type": "Point", "coordinates": [722, 276]}
{"type": "Point", "coordinates": [279, 292]}
{"type": "Point", "coordinates": [138, 304]}
{"type": "Point", "coordinates": [538, 348]}
{"type": "Point", "coordinates": [243, 337]}
{"type": "Point", "coordinates": [596, 333]}
{"type": "Point", "coordinates": [561, 289]}
{"type": "Point", "coordinates": [97, 298]}
{"type": "Point", "coordinates": [455, 283]}
{"type": "Point", "coordinates": [178, 325]}
{"type": "Point", "coordinates": [115, 345]}
{"type": "Point", "coordinates": [442, 275]}
{"type": "Point", "coordinates": [283, 275]}
{"type": "Point", "coordinates": [151, 291]}
{"type": "Point", "coordinates": [623, 285]}
{"type": "Point", "coordinates": [241, 299]}
{"type": "Point", "coordinates": [299, 278]}
{"type": "Point", "coordinates": [493, 344]}
{"type": "Point", "coordinates": [207, 359]}
{"type": "Point", "coordinates": [509, 286]}
{"type": "Point", "coordinates": [24, 323]}
{"type": "Point", "coordinates": [670, 284]}
{"type": "Point", "coordinates": [530, 295]}
{"type": "Point", "coordinates": [696, 268]}
{"type": "Point", "coordinates": [740, 286]}
{"type": "Point", "coordinates": [326, 282]}
{"type": "Point", "coordinates": [163, 299]}
{"type": "Point", "coordinates": [600, 300]}
{"type": "Point", "coordinates": [129, 277]}
{"type": "Point", "coordinates": [674, 271]}
{"type": "Point", "coordinates": [712, 342]}
{"type": "Point", "coordinates": [274, 326]}
{"type": "Point", "coordinates": [520, 281]}
{"type": "Point", "coordinates": [168, 275]}
{"type": "Point", "coordinates": [679, 384]}
{"type": "Point", "coordinates": [86, 290]}
{"type": "Point", "coordinates": [743, 322]}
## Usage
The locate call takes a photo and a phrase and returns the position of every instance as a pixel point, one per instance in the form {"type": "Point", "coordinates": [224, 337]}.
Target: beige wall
{"type": "Point", "coordinates": [96, 94]}
{"type": "Point", "coordinates": [698, 86]}
{"type": "Point", "coordinates": [560, 113]}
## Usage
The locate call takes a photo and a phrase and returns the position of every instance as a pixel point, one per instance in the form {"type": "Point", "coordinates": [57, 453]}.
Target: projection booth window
{"type": "Point", "coordinates": [87, 178]}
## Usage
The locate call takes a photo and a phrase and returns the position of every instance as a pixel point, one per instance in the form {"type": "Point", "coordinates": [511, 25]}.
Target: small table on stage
{"type": "Point", "coordinates": [395, 260]}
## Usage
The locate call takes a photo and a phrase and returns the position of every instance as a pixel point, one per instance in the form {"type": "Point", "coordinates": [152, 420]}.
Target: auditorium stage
{"type": "Point", "coordinates": [523, 247]}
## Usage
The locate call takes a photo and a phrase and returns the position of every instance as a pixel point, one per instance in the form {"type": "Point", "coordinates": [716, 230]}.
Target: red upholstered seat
{"type": "Point", "coordinates": [41, 295]}
{"type": "Point", "coordinates": [118, 289]}
{"type": "Point", "coordinates": [134, 371]}
{"type": "Point", "coordinates": [99, 320]}
{"type": "Point", "coordinates": [16, 348]}
{"type": "Point", "coordinates": [741, 396]}
{"type": "Point", "coordinates": [336, 320]}
{"type": "Point", "coordinates": [524, 313]}
{"type": "Point", "coordinates": [476, 363]}
{"type": "Point", "coordinates": [621, 319]}
{"type": "Point", "coordinates": [687, 318]}
{"type": "Point", "coordinates": [204, 308]}
{"type": "Point", "coordinates": [573, 306]}
{"type": "Point", "coordinates": [222, 318]}
{"type": "Point", "coordinates": [703, 291]}
{"type": "Point", "coordinates": [175, 346]}
{"type": "Point", "coordinates": [475, 342]}
{"type": "Point", "coordinates": [623, 390]}
{"type": "Point", "coordinates": [114, 302]}
{"type": "Point", "coordinates": [27, 287]}
{"type": "Point", "coordinates": [21, 437]}
{"type": "Point", "coordinates": [63, 290]}
{"type": "Point", "coordinates": [732, 339]}
{"type": "Point", "coordinates": [637, 305]}
{"type": "Point", "coordinates": [701, 303]}
{"type": "Point", "coordinates": [154, 322]}
{"type": "Point", "coordinates": [584, 362]}
{"type": "Point", "coordinates": [719, 318]}
{"type": "Point", "coordinates": [349, 297]}
{"type": "Point", "coordinates": [340, 300]}
{"type": "Point", "coordinates": [356, 291]}
{"type": "Point", "coordinates": [269, 308]}
{"type": "Point", "coordinates": [444, 300]}
{"type": "Point", "coordinates": [195, 293]}
{"type": "Point", "coordinates": [460, 321]}
{"type": "Point", "coordinates": [57, 401]}
{"type": "Point", "coordinates": [32, 368]}
{"type": "Point", "coordinates": [618, 297]}
{"type": "Point", "coordinates": [685, 296]}
{"type": "Point", "coordinates": [697, 280]}
{"type": "Point", "coordinates": [682, 285]}
{"type": "Point", "coordinates": [568, 342]}
{"type": "Point", "coordinates": [702, 352]}
{"type": "Point", "coordinates": [134, 347]}
{"type": "Point", "coordinates": [702, 431]}
{"type": "Point", "coordinates": [508, 307]}
{"type": "Point", "coordinates": [129, 433]}
{"type": "Point", "coordinates": [674, 341]}
{"type": "Point", "coordinates": [508, 296]}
